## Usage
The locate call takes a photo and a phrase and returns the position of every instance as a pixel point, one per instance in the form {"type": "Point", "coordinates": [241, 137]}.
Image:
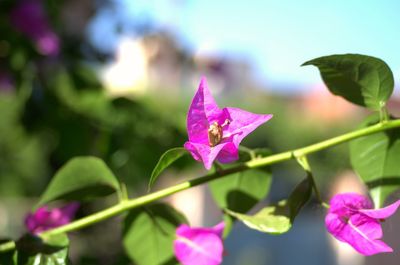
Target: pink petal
{"type": "Point", "coordinates": [368, 227]}
{"type": "Point", "coordinates": [348, 203]}
{"type": "Point", "coordinates": [335, 225]}
{"type": "Point", "coordinates": [229, 153]}
{"type": "Point", "coordinates": [219, 229]}
{"type": "Point", "coordinates": [34, 220]}
{"type": "Point", "coordinates": [363, 233]}
{"type": "Point", "coordinates": [243, 123]}
{"type": "Point", "coordinates": [198, 246]}
{"type": "Point", "coordinates": [64, 215]}
{"type": "Point", "coordinates": [48, 43]}
{"type": "Point", "coordinates": [347, 222]}
{"type": "Point", "coordinates": [382, 213]}
{"type": "Point", "coordinates": [45, 219]}
{"type": "Point", "coordinates": [192, 150]}
{"type": "Point", "coordinates": [70, 209]}
{"type": "Point", "coordinates": [202, 110]}
{"type": "Point", "coordinates": [205, 153]}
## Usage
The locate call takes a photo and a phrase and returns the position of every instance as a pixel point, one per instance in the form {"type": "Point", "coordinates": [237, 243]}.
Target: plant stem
{"type": "Point", "coordinates": [383, 114]}
{"type": "Point", "coordinates": [303, 161]}
{"type": "Point", "coordinates": [125, 205]}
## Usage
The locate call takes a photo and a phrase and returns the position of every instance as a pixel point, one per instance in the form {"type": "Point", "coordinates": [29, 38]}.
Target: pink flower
{"type": "Point", "coordinates": [352, 219]}
{"type": "Point", "coordinates": [6, 82]}
{"type": "Point", "coordinates": [199, 246]}
{"type": "Point", "coordinates": [45, 219]}
{"type": "Point", "coordinates": [216, 133]}
{"type": "Point", "coordinates": [29, 18]}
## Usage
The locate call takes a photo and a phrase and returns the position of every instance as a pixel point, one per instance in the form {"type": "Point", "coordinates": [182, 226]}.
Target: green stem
{"type": "Point", "coordinates": [123, 192]}
{"type": "Point", "coordinates": [303, 161]}
{"type": "Point", "coordinates": [249, 151]}
{"type": "Point", "coordinates": [384, 115]}
{"type": "Point", "coordinates": [261, 162]}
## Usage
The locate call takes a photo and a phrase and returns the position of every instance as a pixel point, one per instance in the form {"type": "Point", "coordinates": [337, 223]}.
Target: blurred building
{"type": "Point", "coordinates": [322, 106]}
{"type": "Point", "coordinates": [156, 63]}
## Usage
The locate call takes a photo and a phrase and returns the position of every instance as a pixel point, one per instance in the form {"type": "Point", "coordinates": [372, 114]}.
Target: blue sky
{"type": "Point", "coordinates": [278, 36]}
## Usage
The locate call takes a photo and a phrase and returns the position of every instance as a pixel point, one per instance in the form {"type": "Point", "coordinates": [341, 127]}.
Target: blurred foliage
{"type": "Point", "coordinates": [59, 109]}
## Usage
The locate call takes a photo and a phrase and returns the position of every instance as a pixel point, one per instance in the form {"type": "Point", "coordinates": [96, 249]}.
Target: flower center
{"type": "Point", "coordinates": [215, 133]}
{"type": "Point", "coordinates": [345, 219]}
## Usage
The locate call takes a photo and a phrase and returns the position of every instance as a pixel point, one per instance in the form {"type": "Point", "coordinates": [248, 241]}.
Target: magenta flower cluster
{"type": "Point", "coordinates": [44, 219]}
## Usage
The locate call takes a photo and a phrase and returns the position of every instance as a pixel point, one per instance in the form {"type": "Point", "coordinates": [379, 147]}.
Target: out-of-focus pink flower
{"type": "Point", "coordinates": [216, 133]}
{"type": "Point", "coordinates": [199, 246]}
{"type": "Point", "coordinates": [6, 82]}
{"type": "Point", "coordinates": [352, 219]}
{"type": "Point", "coordinates": [29, 17]}
{"type": "Point", "coordinates": [45, 219]}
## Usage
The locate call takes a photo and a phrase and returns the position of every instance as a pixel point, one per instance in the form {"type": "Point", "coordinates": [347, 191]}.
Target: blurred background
{"type": "Point", "coordinates": [114, 79]}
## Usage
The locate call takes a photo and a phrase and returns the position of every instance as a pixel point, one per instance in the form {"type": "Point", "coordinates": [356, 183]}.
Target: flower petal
{"type": "Point", "coordinates": [45, 219]}
{"type": "Point", "coordinates": [361, 232]}
{"type": "Point", "coordinates": [219, 229]}
{"type": "Point", "coordinates": [229, 153]}
{"type": "Point", "coordinates": [198, 246]}
{"type": "Point", "coordinates": [205, 153]}
{"type": "Point", "coordinates": [382, 213]}
{"type": "Point", "coordinates": [202, 110]}
{"type": "Point", "coordinates": [347, 222]}
{"type": "Point", "coordinates": [348, 203]}
{"type": "Point", "coordinates": [34, 220]}
{"type": "Point", "coordinates": [192, 148]}
{"type": "Point", "coordinates": [242, 123]}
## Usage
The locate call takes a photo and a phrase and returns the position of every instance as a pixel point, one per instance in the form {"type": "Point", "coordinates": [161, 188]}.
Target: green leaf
{"type": "Point", "coordinates": [361, 79]}
{"type": "Point", "coordinates": [149, 232]}
{"type": "Point", "coordinates": [376, 160]}
{"type": "Point", "coordinates": [6, 257]}
{"type": "Point", "coordinates": [278, 219]}
{"type": "Point", "coordinates": [82, 178]}
{"type": "Point", "coordinates": [241, 191]}
{"type": "Point", "coordinates": [165, 161]}
{"type": "Point", "coordinates": [272, 219]}
{"type": "Point", "coordinates": [32, 250]}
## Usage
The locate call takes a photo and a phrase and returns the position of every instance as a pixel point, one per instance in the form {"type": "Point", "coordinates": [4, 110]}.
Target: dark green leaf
{"type": "Point", "coordinates": [278, 219]}
{"type": "Point", "coordinates": [166, 159]}
{"type": "Point", "coordinates": [361, 79]}
{"type": "Point", "coordinates": [82, 178]}
{"type": "Point", "coordinates": [241, 191]}
{"type": "Point", "coordinates": [149, 232]}
{"type": "Point", "coordinates": [376, 160]}
{"type": "Point", "coordinates": [32, 250]}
